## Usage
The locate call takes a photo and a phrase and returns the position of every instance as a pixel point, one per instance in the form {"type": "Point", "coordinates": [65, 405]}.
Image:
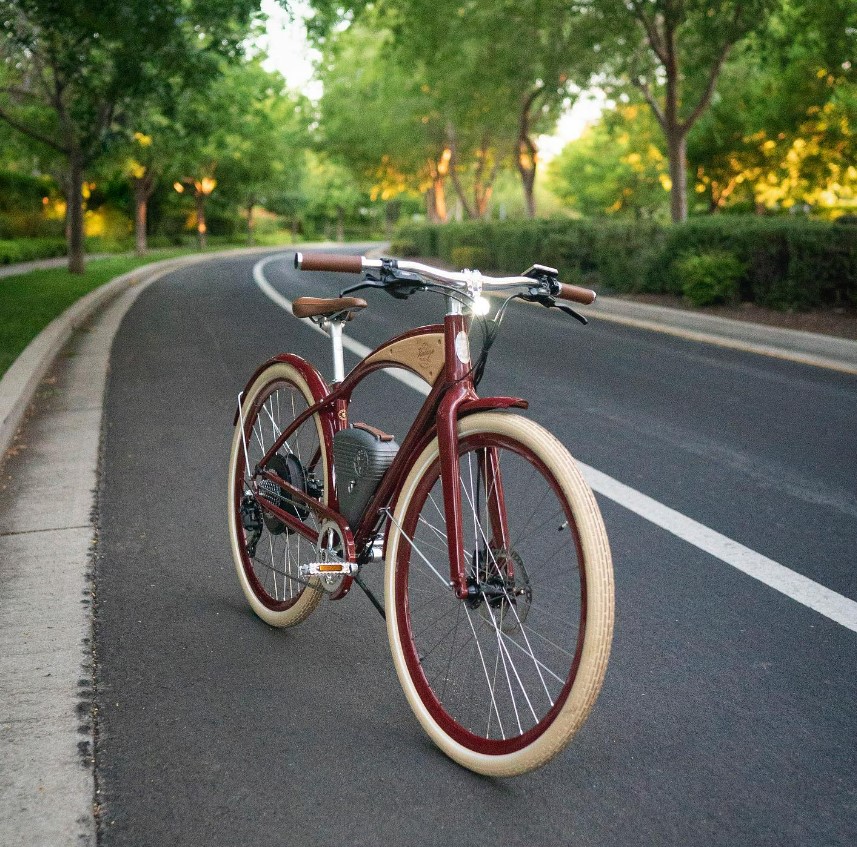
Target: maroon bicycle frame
{"type": "Point", "coordinates": [452, 397]}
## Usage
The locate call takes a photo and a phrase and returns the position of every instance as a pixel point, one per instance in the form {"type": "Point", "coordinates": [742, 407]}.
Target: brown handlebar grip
{"type": "Point", "coordinates": [576, 294]}
{"type": "Point", "coordinates": [329, 262]}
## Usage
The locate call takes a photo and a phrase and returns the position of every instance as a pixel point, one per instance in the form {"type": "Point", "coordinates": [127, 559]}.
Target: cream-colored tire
{"type": "Point", "coordinates": [503, 680]}
{"type": "Point", "coordinates": [269, 578]}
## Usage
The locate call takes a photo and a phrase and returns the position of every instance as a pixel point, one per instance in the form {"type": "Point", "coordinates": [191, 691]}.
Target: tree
{"type": "Point", "coordinates": [259, 137]}
{"type": "Point", "coordinates": [782, 130]}
{"type": "Point", "coordinates": [617, 166]}
{"type": "Point", "coordinates": [380, 120]}
{"type": "Point", "coordinates": [71, 72]}
{"type": "Point", "coordinates": [494, 75]}
{"type": "Point", "coordinates": [673, 51]}
{"type": "Point", "coordinates": [332, 193]}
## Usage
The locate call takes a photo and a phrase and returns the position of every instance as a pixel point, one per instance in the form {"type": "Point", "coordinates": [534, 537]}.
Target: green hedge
{"type": "Point", "coordinates": [786, 263]}
{"type": "Point", "coordinates": [17, 250]}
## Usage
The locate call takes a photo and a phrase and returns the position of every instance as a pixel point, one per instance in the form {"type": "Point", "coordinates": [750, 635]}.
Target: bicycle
{"type": "Point", "coordinates": [498, 580]}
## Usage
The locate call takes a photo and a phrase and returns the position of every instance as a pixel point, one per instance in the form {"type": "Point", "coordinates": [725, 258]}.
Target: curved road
{"type": "Point", "coordinates": [729, 714]}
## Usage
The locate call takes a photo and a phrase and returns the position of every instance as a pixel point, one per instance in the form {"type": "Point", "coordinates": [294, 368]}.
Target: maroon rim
{"type": "Point", "coordinates": [256, 586]}
{"type": "Point", "coordinates": [449, 725]}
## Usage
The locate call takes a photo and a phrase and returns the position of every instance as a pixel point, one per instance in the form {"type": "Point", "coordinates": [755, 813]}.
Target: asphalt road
{"type": "Point", "coordinates": [729, 713]}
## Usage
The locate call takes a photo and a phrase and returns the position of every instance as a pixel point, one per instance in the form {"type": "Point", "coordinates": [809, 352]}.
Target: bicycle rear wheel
{"type": "Point", "coordinates": [502, 680]}
{"type": "Point", "coordinates": [267, 553]}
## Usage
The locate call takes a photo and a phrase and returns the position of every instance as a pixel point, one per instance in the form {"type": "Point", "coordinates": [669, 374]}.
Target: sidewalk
{"type": "Point", "coordinates": [43, 264]}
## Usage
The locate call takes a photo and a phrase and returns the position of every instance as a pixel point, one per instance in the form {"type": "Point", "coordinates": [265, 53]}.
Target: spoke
{"type": "Point", "coordinates": [287, 565]}
{"type": "Point", "coordinates": [419, 553]}
{"type": "Point", "coordinates": [555, 519]}
{"type": "Point", "coordinates": [473, 498]}
{"type": "Point", "coordinates": [547, 640]}
{"type": "Point", "coordinates": [426, 627]}
{"type": "Point", "coordinates": [513, 606]}
{"type": "Point", "coordinates": [449, 661]}
{"type": "Point", "coordinates": [275, 429]}
{"type": "Point", "coordinates": [297, 436]}
{"type": "Point", "coordinates": [305, 583]}
{"type": "Point", "coordinates": [485, 671]}
{"type": "Point", "coordinates": [257, 427]}
{"type": "Point", "coordinates": [493, 685]}
{"type": "Point", "coordinates": [424, 655]}
{"type": "Point", "coordinates": [433, 528]}
{"type": "Point", "coordinates": [506, 655]}
{"type": "Point", "coordinates": [273, 569]}
{"type": "Point", "coordinates": [539, 502]}
{"type": "Point", "coordinates": [510, 604]}
{"type": "Point", "coordinates": [437, 508]}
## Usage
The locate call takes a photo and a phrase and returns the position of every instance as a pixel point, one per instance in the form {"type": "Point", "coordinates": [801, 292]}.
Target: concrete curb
{"type": "Point", "coordinates": [19, 383]}
{"type": "Point", "coordinates": [809, 348]}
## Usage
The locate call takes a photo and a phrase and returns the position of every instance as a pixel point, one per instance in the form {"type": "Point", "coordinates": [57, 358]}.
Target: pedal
{"type": "Point", "coordinates": [328, 569]}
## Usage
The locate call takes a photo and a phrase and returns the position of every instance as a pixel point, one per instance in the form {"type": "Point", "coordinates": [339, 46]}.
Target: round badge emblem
{"type": "Point", "coordinates": [462, 348]}
{"type": "Point", "coordinates": [361, 462]}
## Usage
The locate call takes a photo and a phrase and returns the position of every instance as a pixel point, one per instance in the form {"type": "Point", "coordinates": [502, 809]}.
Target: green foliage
{"type": "Point", "coordinates": [409, 81]}
{"type": "Point", "coordinates": [617, 166]}
{"type": "Point", "coordinates": [29, 302]}
{"type": "Point", "coordinates": [790, 263]}
{"type": "Point", "coordinates": [785, 263]}
{"type": "Point", "coordinates": [710, 278]}
{"type": "Point", "coordinates": [17, 250]}
{"type": "Point", "coordinates": [782, 130]}
{"type": "Point", "coordinates": [469, 257]}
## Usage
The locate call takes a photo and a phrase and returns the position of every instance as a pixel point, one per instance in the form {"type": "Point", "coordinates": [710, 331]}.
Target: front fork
{"type": "Point", "coordinates": [458, 375]}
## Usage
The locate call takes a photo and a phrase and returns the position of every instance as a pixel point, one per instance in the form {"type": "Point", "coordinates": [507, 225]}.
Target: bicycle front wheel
{"type": "Point", "coordinates": [503, 679]}
{"type": "Point", "coordinates": [267, 553]}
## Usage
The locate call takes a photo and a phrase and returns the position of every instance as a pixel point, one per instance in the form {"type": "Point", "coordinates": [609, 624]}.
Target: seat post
{"type": "Point", "coordinates": [334, 328]}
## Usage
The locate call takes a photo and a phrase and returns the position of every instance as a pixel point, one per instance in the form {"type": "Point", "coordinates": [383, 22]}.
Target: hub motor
{"type": "Point", "coordinates": [290, 470]}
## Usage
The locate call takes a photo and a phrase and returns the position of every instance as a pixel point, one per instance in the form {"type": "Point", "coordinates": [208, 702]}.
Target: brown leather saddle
{"type": "Point", "coordinates": [332, 308]}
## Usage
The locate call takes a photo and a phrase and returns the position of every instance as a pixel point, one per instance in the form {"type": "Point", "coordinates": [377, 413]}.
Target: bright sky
{"type": "Point", "coordinates": [288, 51]}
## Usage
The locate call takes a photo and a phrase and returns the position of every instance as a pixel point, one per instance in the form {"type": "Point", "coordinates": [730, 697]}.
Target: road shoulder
{"type": "Point", "coordinates": [47, 789]}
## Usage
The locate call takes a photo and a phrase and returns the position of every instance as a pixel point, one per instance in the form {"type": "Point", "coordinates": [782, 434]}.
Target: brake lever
{"type": "Point", "coordinates": [369, 283]}
{"type": "Point", "coordinates": [400, 286]}
{"type": "Point", "coordinates": [550, 303]}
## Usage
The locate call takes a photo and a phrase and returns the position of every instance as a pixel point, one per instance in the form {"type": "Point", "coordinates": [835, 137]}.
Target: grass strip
{"type": "Point", "coordinates": [29, 302]}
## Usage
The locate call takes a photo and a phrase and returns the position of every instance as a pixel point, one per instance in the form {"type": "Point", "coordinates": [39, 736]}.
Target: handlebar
{"type": "Point", "coordinates": [470, 281]}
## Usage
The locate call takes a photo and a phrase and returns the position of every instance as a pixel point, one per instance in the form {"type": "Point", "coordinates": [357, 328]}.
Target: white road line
{"type": "Point", "coordinates": [771, 573]}
{"type": "Point", "coordinates": [812, 594]}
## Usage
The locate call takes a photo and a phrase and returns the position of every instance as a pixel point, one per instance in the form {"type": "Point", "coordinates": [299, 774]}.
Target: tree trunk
{"type": "Point", "coordinates": [436, 195]}
{"type": "Point", "coordinates": [436, 209]}
{"type": "Point", "coordinates": [141, 200]}
{"type": "Point", "coordinates": [340, 223]}
{"type": "Point", "coordinates": [484, 187]}
{"type": "Point", "coordinates": [74, 215]}
{"type": "Point", "coordinates": [251, 204]}
{"type": "Point", "coordinates": [452, 146]}
{"type": "Point", "coordinates": [201, 225]}
{"type": "Point", "coordinates": [677, 150]}
{"type": "Point", "coordinates": [526, 150]}
{"type": "Point", "coordinates": [462, 197]}
{"type": "Point", "coordinates": [392, 211]}
{"type": "Point", "coordinates": [527, 169]}
{"type": "Point", "coordinates": [440, 200]}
